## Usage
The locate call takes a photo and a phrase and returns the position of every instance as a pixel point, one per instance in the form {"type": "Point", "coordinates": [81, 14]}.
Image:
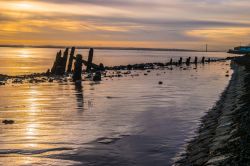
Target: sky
{"type": "Point", "coordinates": [189, 24]}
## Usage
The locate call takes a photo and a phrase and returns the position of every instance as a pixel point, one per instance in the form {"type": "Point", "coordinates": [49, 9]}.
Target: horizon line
{"type": "Point", "coordinates": [107, 47]}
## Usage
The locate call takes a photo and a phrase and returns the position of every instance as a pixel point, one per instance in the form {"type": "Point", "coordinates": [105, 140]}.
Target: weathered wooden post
{"type": "Point", "coordinates": [64, 61]}
{"type": "Point", "coordinates": [188, 61]}
{"type": "Point", "coordinates": [56, 63]}
{"type": "Point", "coordinates": [77, 75]}
{"type": "Point", "coordinates": [171, 62]}
{"type": "Point", "coordinates": [180, 61]}
{"type": "Point", "coordinates": [71, 58]}
{"type": "Point", "coordinates": [203, 60]}
{"type": "Point", "coordinates": [195, 60]}
{"type": "Point", "coordinates": [53, 69]}
{"type": "Point", "coordinates": [90, 59]}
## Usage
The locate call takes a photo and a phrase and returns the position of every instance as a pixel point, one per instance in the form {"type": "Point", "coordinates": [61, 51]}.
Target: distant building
{"type": "Point", "coordinates": [240, 50]}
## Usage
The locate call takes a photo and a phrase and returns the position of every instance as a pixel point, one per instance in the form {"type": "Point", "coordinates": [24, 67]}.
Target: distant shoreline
{"type": "Point", "coordinates": [106, 48]}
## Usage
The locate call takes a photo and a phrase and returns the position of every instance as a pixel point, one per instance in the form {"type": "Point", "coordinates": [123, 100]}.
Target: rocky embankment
{"type": "Point", "coordinates": [224, 135]}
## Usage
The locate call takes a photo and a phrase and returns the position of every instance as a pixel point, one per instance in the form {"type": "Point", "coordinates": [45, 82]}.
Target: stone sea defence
{"type": "Point", "coordinates": [224, 136]}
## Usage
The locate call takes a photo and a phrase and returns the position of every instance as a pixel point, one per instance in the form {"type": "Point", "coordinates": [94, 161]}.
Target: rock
{"type": "Point", "coordinates": [8, 121]}
{"type": "Point", "coordinates": [97, 76]}
{"type": "Point", "coordinates": [17, 81]}
{"type": "Point", "coordinates": [160, 82]}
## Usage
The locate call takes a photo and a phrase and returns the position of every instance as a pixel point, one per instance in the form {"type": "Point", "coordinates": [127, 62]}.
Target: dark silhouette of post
{"type": "Point", "coordinates": [77, 75]}
{"type": "Point", "coordinates": [203, 60]}
{"type": "Point", "coordinates": [180, 61]}
{"type": "Point", "coordinates": [71, 58]}
{"type": "Point", "coordinates": [188, 61]}
{"type": "Point", "coordinates": [195, 60]}
{"type": "Point", "coordinates": [90, 59]}
{"type": "Point", "coordinates": [171, 61]}
{"type": "Point", "coordinates": [64, 61]}
{"type": "Point", "coordinates": [56, 65]}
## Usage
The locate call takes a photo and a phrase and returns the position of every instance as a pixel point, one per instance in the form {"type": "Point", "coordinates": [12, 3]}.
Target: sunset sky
{"type": "Point", "coordinates": [126, 23]}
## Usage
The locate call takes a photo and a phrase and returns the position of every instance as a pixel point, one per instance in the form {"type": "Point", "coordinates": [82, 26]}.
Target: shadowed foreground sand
{"type": "Point", "coordinates": [223, 137]}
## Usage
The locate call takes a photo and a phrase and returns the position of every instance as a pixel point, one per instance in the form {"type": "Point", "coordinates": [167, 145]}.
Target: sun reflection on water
{"type": "Point", "coordinates": [24, 53]}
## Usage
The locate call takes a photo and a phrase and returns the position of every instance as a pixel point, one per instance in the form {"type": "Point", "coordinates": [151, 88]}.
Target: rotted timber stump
{"type": "Point", "coordinates": [77, 75]}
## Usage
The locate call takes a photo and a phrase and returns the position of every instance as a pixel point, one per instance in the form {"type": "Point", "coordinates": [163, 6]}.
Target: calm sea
{"type": "Point", "coordinates": [119, 121]}
{"type": "Point", "coordinates": [16, 61]}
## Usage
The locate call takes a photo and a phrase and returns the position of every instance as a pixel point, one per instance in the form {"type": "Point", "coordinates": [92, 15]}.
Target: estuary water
{"type": "Point", "coordinates": [130, 120]}
{"type": "Point", "coordinates": [17, 61]}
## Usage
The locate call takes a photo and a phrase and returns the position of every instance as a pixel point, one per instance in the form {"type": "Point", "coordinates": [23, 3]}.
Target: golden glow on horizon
{"type": "Point", "coordinates": [167, 24]}
{"type": "Point", "coordinates": [23, 6]}
{"type": "Point", "coordinates": [222, 34]}
{"type": "Point", "coordinates": [24, 53]}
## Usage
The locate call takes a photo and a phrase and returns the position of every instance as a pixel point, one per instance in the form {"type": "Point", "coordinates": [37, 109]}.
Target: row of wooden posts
{"type": "Point", "coordinates": [188, 61]}
{"type": "Point", "coordinates": [59, 66]}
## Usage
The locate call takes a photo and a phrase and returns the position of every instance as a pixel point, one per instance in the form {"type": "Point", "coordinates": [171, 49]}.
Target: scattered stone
{"type": "Point", "coordinates": [8, 121]}
{"type": "Point", "coordinates": [17, 81]}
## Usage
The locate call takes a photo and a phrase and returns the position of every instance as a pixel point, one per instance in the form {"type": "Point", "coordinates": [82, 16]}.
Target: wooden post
{"type": "Point", "coordinates": [71, 58]}
{"type": "Point", "coordinates": [77, 75]}
{"type": "Point", "coordinates": [56, 65]}
{"type": "Point", "coordinates": [64, 61]}
{"type": "Point", "coordinates": [203, 60]}
{"type": "Point", "coordinates": [90, 59]}
{"type": "Point", "coordinates": [53, 69]}
{"type": "Point", "coordinates": [180, 61]}
{"type": "Point", "coordinates": [188, 61]}
{"type": "Point", "coordinates": [195, 60]}
{"type": "Point", "coordinates": [171, 61]}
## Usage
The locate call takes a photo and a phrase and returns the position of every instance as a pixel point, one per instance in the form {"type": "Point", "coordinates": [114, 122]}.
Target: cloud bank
{"type": "Point", "coordinates": [131, 23]}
